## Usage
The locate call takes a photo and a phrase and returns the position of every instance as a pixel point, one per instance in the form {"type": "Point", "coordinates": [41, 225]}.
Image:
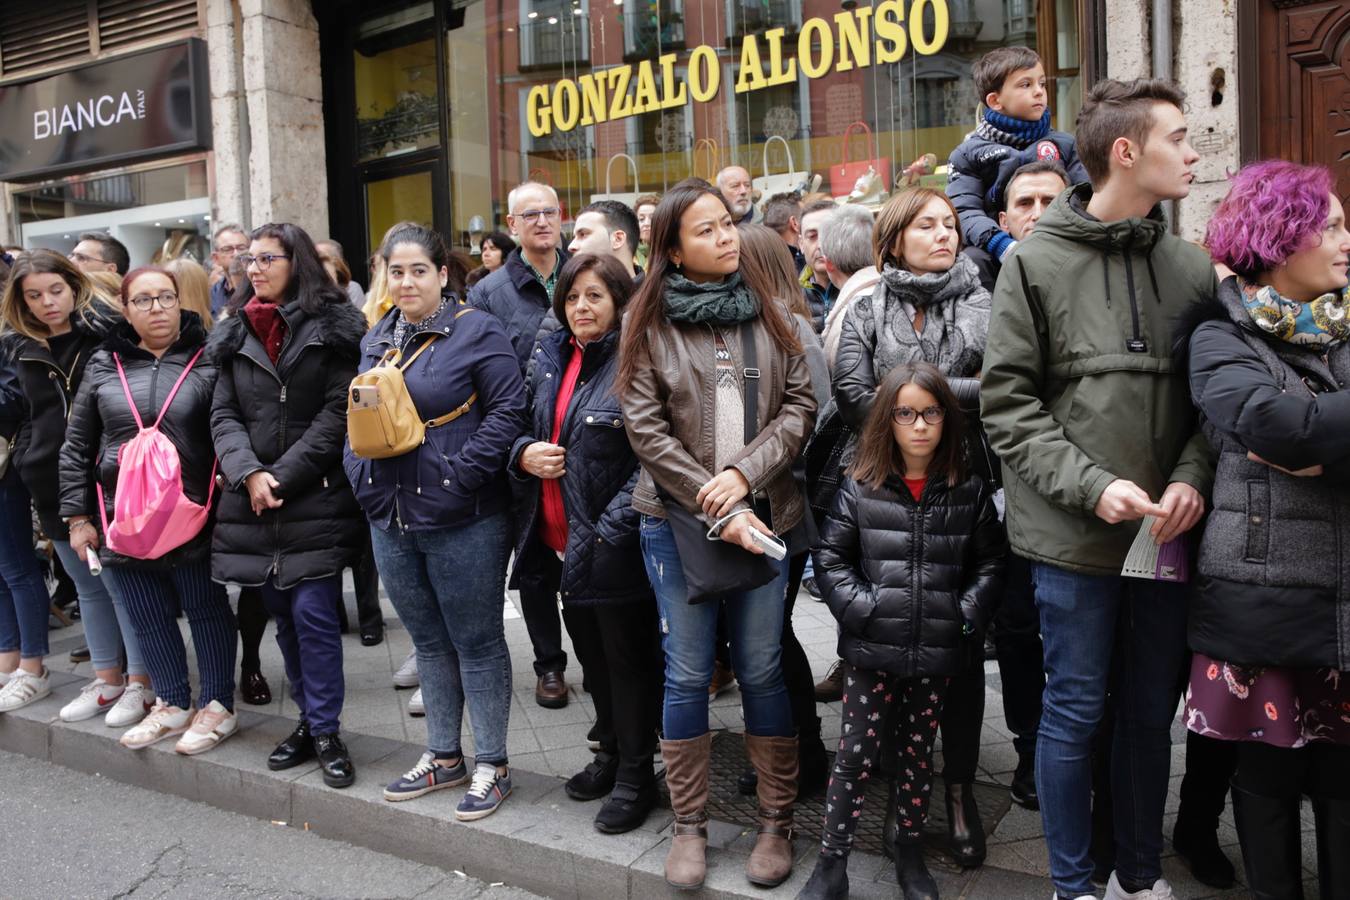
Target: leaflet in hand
{"type": "Point", "coordinates": [1169, 562]}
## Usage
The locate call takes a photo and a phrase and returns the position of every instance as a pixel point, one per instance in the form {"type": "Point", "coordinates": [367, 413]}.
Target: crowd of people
{"type": "Point", "coordinates": [949, 422]}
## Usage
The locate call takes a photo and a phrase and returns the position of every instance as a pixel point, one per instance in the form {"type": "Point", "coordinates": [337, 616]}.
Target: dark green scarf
{"type": "Point", "coordinates": [728, 302]}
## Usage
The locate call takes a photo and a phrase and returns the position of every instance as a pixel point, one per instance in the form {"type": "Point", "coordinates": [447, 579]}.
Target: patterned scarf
{"type": "Point", "coordinates": [268, 325]}
{"type": "Point", "coordinates": [728, 302]}
{"type": "Point", "coordinates": [403, 329]}
{"type": "Point", "coordinates": [955, 329]}
{"type": "Point", "coordinates": [1017, 133]}
{"type": "Point", "coordinates": [1324, 321]}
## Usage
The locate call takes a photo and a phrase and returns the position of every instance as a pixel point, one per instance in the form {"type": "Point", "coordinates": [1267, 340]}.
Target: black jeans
{"type": "Point", "coordinates": [963, 718]}
{"type": "Point", "coordinates": [1317, 769]}
{"type": "Point", "coordinates": [252, 623]}
{"type": "Point", "coordinates": [1210, 764]}
{"type": "Point", "coordinates": [539, 609]}
{"type": "Point", "coordinates": [1021, 656]}
{"type": "Point", "coordinates": [366, 578]}
{"type": "Point", "coordinates": [619, 648]}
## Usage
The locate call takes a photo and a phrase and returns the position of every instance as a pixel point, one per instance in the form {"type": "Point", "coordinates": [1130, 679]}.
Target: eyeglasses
{"type": "Point", "coordinates": [904, 415]}
{"type": "Point", "coordinates": [232, 250]}
{"type": "Point", "coordinates": [143, 302]}
{"type": "Point", "coordinates": [85, 258]}
{"type": "Point", "coordinates": [531, 215]}
{"type": "Point", "coordinates": [264, 260]}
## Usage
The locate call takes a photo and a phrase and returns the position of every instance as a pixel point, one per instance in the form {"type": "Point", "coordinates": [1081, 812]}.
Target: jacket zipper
{"type": "Point", "coordinates": [1136, 344]}
{"type": "Point", "coordinates": [65, 378]}
{"type": "Point", "coordinates": [917, 572]}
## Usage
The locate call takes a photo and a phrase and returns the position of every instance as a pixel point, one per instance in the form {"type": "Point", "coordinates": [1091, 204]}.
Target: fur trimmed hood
{"type": "Point", "coordinates": [340, 326]}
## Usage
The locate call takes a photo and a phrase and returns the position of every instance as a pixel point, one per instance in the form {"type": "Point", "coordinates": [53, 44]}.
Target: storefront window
{"type": "Point", "coordinates": [396, 84]}
{"type": "Point", "coordinates": [159, 213]}
{"type": "Point", "coordinates": [390, 200]}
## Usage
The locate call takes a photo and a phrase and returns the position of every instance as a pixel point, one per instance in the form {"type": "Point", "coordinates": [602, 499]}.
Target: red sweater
{"type": "Point", "coordinates": [552, 515]}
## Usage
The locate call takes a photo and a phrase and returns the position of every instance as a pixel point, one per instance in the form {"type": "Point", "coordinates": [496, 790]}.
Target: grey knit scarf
{"type": "Point", "coordinates": [727, 302]}
{"type": "Point", "coordinates": [955, 325]}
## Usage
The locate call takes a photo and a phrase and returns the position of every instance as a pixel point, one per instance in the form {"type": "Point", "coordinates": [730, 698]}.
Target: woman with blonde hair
{"type": "Point", "coordinates": [52, 324]}
{"type": "Point", "coordinates": [194, 289]}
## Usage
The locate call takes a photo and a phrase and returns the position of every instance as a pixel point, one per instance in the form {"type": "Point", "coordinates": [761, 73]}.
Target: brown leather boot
{"type": "Point", "coordinates": [687, 777]}
{"type": "Point", "coordinates": [775, 759]}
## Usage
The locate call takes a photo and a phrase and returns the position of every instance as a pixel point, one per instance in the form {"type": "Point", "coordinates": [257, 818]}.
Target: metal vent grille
{"type": "Point", "coordinates": [123, 22]}
{"type": "Point", "coordinates": [43, 35]}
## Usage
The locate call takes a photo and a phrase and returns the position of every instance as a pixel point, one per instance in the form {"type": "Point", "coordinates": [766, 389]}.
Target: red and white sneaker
{"type": "Point", "coordinates": [96, 698]}
{"type": "Point", "coordinates": [135, 704]}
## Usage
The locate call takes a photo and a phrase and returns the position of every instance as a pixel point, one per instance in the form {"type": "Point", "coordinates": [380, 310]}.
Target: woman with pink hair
{"type": "Point", "coordinates": [1270, 610]}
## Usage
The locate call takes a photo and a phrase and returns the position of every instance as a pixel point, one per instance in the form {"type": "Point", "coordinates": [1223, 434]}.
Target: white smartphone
{"type": "Point", "coordinates": [771, 546]}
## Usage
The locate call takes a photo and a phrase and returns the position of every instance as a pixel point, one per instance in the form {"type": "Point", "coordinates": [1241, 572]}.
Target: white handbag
{"type": "Point", "coordinates": [782, 183]}
{"type": "Point", "coordinates": [629, 199]}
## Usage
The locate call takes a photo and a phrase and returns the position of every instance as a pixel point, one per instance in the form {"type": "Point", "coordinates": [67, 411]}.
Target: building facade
{"type": "Point", "coordinates": [346, 116]}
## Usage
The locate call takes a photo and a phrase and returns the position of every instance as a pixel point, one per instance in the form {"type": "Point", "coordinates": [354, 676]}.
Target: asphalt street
{"type": "Point", "coordinates": [64, 834]}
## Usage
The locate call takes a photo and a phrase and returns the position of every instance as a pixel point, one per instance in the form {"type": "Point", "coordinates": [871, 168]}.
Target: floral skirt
{"type": "Point", "coordinates": [1285, 707]}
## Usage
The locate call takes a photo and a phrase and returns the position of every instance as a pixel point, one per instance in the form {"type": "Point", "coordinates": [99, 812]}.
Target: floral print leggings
{"type": "Point", "coordinates": [868, 697]}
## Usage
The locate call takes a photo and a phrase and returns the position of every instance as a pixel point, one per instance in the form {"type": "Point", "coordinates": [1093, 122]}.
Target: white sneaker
{"type": "Point", "coordinates": [24, 688]}
{"type": "Point", "coordinates": [415, 705]}
{"type": "Point", "coordinates": [406, 676]}
{"type": "Point", "coordinates": [211, 726]}
{"type": "Point", "coordinates": [95, 698]}
{"type": "Point", "coordinates": [164, 721]}
{"type": "Point", "coordinates": [136, 701]}
{"type": "Point", "coordinates": [1055, 896]}
{"type": "Point", "coordinates": [1161, 890]}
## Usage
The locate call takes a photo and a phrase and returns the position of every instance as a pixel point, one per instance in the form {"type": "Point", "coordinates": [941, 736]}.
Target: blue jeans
{"type": "Point", "coordinates": [1083, 619]}
{"type": "Point", "coordinates": [689, 636]}
{"type": "Point", "coordinates": [448, 586]}
{"type": "Point", "coordinates": [310, 639]}
{"type": "Point", "coordinates": [151, 597]}
{"type": "Point", "coordinates": [107, 627]}
{"type": "Point", "coordinates": [23, 595]}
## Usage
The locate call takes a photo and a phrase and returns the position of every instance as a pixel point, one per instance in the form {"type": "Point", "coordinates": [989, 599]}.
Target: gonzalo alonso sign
{"type": "Point", "coordinates": [855, 39]}
{"type": "Point", "coordinates": [128, 108]}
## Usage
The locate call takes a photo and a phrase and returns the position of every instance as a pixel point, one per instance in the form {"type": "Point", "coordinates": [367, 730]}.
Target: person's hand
{"type": "Point", "coordinates": [217, 273]}
{"type": "Point", "coordinates": [83, 535]}
{"type": "Point", "coordinates": [1309, 472]}
{"type": "Point", "coordinates": [720, 495]}
{"type": "Point", "coordinates": [1184, 507]}
{"type": "Point", "coordinates": [260, 486]}
{"type": "Point", "coordinates": [1125, 501]}
{"type": "Point", "coordinates": [544, 460]}
{"type": "Point", "coordinates": [737, 531]}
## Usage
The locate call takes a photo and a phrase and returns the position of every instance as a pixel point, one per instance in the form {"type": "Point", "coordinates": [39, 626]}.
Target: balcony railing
{"type": "Point", "coordinates": [758, 16]}
{"type": "Point", "coordinates": [555, 41]}
{"type": "Point", "coordinates": [647, 38]}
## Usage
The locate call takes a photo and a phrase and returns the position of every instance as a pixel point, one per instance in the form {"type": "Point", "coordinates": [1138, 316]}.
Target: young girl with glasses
{"type": "Point", "coordinates": [911, 562]}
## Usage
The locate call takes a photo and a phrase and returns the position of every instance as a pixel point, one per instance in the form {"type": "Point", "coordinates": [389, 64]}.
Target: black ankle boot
{"type": "Point", "coordinates": [916, 883]}
{"type": "Point", "coordinates": [829, 881]}
{"type": "Point", "coordinates": [1270, 831]}
{"type": "Point", "coordinates": [1198, 846]}
{"type": "Point", "coordinates": [747, 783]}
{"type": "Point", "coordinates": [965, 831]}
{"type": "Point", "coordinates": [1024, 782]}
{"type": "Point", "coordinates": [596, 780]}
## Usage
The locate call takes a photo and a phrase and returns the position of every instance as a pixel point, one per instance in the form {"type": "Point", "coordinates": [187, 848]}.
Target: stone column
{"type": "Point", "coordinates": [1205, 38]}
{"type": "Point", "coordinates": [229, 128]}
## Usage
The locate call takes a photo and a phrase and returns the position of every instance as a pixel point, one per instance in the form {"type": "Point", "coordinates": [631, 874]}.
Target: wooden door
{"type": "Point", "coordinates": [1304, 49]}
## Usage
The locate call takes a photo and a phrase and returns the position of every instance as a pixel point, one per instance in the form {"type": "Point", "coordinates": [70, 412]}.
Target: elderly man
{"type": "Point", "coordinates": [734, 183]}
{"type": "Point", "coordinates": [228, 242]}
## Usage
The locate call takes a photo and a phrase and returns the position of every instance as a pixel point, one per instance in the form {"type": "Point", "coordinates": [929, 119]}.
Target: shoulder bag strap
{"type": "Point", "coordinates": [126, 390]}
{"type": "Point", "coordinates": [750, 381]}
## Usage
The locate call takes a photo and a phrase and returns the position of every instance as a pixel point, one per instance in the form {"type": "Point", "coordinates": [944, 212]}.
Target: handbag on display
{"type": "Point", "coordinates": [712, 567]}
{"type": "Point", "coordinates": [783, 183]}
{"type": "Point", "coordinates": [628, 199]}
{"type": "Point", "coordinates": [848, 178]}
{"type": "Point", "coordinates": [714, 152]}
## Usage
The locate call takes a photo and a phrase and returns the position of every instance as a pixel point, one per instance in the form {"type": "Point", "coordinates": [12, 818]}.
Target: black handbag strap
{"type": "Point", "coordinates": [750, 383]}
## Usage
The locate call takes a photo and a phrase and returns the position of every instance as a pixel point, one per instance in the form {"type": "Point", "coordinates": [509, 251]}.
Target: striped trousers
{"type": "Point", "coordinates": [152, 597]}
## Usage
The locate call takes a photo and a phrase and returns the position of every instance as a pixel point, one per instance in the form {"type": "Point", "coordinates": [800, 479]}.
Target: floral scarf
{"type": "Point", "coordinates": [1324, 321]}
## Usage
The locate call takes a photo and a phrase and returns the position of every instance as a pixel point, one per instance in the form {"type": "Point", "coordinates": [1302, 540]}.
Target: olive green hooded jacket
{"type": "Point", "coordinates": [1079, 386]}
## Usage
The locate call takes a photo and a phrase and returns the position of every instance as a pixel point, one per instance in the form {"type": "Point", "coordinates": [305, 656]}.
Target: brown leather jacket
{"type": "Point", "coordinates": [670, 416]}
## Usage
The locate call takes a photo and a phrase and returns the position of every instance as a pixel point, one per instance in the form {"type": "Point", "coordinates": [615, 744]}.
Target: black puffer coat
{"type": "Point", "coordinates": [1274, 580]}
{"type": "Point", "coordinates": [903, 576]}
{"type": "Point", "coordinates": [289, 419]}
{"type": "Point", "coordinates": [101, 422]}
{"type": "Point", "coordinates": [602, 562]}
{"type": "Point", "coordinates": [49, 393]}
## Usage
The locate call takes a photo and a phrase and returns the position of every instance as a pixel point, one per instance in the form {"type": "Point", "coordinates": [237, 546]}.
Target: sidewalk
{"type": "Point", "coordinates": [541, 840]}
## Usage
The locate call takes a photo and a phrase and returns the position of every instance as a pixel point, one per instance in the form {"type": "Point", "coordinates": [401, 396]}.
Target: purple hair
{"type": "Point", "coordinates": [1272, 210]}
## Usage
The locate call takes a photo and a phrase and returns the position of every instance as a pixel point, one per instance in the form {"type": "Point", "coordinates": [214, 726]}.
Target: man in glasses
{"type": "Point", "coordinates": [519, 293]}
{"type": "Point", "coordinates": [99, 251]}
{"type": "Point", "coordinates": [228, 242]}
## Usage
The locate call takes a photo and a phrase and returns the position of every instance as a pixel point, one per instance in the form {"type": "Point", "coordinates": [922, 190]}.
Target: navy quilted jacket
{"type": "Point", "coordinates": [602, 562]}
{"type": "Point", "coordinates": [516, 297]}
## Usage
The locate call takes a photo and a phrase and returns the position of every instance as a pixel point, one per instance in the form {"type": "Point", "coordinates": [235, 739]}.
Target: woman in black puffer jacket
{"type": "Point", "coordinates": [577, 533]}
{"type": "Point", "coordinates": [158, 349]}
{"type": "Point", "coordinates": [911, 564]}
{"type": "Point", "coordinates": [289, 521]}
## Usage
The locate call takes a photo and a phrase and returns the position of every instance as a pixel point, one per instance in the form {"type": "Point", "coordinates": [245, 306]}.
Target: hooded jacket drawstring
{"type": "Point", "coordinates": [1106, 273]}
{"type": "Point", "coordinates": [1153, 276]}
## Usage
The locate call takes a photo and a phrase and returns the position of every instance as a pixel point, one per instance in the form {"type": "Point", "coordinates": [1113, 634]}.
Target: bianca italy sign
{"type": "Point", "coordinates": [855, 39]}
{"type": "Point", "coordinates": [132, 107]}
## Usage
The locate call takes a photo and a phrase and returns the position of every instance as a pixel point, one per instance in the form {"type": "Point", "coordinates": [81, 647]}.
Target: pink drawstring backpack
{"type": "Point", "coordinates": [151, 514]}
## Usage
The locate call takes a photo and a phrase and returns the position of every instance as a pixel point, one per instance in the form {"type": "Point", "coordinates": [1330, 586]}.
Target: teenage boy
{"type": "Point", "coordinates": [1016, 130]}
{"type": "Point", "coordinates": [1096, 430]}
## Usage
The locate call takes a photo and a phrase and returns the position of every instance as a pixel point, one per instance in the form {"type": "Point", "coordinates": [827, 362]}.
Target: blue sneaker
{"type": "Point", "coordinates": [485, 794]}
{"type": "Point", "coordinates": [426, 777]}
